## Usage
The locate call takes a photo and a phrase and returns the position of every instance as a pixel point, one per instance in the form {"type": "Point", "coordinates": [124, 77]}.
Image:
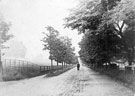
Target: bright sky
{"type": "Point", "coordinates": [29, 17]}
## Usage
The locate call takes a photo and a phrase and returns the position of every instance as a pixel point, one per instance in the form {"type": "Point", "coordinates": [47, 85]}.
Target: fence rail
{"type": "Point", "coordinates": [49, 68]}
{"type": "Point", "coordinates": [44, 68]}
{"type": "Point", "coordinates": [13, 67]}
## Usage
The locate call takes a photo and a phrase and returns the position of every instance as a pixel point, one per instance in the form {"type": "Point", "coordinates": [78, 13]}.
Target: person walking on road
{"type": "Point", "coordinates": [78, 66]}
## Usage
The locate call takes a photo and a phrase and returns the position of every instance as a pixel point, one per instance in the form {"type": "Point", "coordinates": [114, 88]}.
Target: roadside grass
{"type": "Point", "coordinates": [127, 79]}
{"type": "Point", "coordinates": [58, 72]}
{"type": "Point", "coordinates": [15, 73]}
{"type": "Point", "coordinates": [23, 72]}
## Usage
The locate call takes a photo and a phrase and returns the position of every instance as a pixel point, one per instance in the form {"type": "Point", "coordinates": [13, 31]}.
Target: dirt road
{"type": "Point", "coordinates": [84, 82]}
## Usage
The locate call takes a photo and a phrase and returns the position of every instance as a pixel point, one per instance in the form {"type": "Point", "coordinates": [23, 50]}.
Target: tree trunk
{"type": "Point", "coordinates": [62, 64]}
{"type": "Point", "coordinates": [0, 67]}
{"type": "Point", "coordinates": [133, 54]}
{"type": "Point", "coordinates": [51, 64]}
{"type": "Point", "coordinates": [130, 57]}
{"type": "Point", "coordinates": [129, 62]}
{"type": "Point", "coordinates": [57, 63]}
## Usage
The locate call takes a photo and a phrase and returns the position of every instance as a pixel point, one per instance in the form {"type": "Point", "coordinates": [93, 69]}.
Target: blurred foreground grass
{"type": "Point", "coordinates": [17, 73]}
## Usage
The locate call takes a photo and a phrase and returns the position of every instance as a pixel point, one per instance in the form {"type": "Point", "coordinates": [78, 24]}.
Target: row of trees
{"type": "Point", "coordinates": [60, 48]}
{"type": "Point", "coordinates": [109, 30]}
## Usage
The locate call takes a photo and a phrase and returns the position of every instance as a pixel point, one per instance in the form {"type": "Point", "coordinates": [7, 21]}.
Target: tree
{"type": "Point", "coordinates": [59, 52]}
{"type": "Point", "coordinates": [49, 41]}
{"type": "Point", "coordinates": [112, 24]}
{"type": "Point", "coordinates": [67, 50]}
{"type": "Point", "coordinates": [4, 36]}
{"type": "Point", "coordinates": [123, 18]}
{"type": "Point", "coordinates": [60, 47]}
{"type": "Point", "coordinates": [89, 18]}
{"type": "Point", "coordinates": [129, 44]}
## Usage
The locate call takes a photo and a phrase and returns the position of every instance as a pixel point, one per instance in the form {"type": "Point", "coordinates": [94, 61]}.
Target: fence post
{"type": "Point", "coordinates": [47, 68]}
{"type": "Point", "coordinates": [5, 63]}
{"type": "Point", "coordinates": [133, 70]}
{"type": "Point", "coordinates": [62, 65]}
{"type": "Point", "coordinates": [23, 66]}
{"type": "Point", "coordinates": [44, 68]}
{"type": "Point", "coordinates": [4, 68]}
{"type": "Point", "coordinates": [20, 66]}
{"type": "Point", "coordinates": [14, 64]}
{"type": "Point", "coordinates": [27, 66]}
{"type": "Point", "coordinates": [10, 63]}
{"type": "Point", "coordinates": [32, 67]}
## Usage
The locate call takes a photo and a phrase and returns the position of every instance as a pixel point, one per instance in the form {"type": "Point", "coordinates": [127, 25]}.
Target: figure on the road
{"type": "Point", "coordinates": [78, 66]}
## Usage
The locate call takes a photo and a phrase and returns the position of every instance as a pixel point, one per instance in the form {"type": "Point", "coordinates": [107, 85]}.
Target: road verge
{"type": "Point", "coordinates": [120, 76]}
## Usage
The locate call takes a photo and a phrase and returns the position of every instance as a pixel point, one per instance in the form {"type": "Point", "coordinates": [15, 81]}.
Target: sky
{"type": "Point", "coordinates": [29, 18]}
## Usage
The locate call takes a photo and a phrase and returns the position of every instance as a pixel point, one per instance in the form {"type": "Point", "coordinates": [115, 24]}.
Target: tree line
{"type": "Point", "coordinates": [109, 30]}
{"type": "Point", "coordinates": [60, 47]}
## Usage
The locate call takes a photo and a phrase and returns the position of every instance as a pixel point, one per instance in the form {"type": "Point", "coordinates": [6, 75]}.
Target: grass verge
{"type": "Point", "coordinates": [127, 79]}
{"type": "Point", "coordinates": [15, 73]}
{"type": "Point", "coordinates": [58, 72]}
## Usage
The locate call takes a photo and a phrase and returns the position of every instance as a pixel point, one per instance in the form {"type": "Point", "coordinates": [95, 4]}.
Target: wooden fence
{"type": "Point", "coordinates": [21, 66]}
{"type": "Point", "coordinates": [10, 65]}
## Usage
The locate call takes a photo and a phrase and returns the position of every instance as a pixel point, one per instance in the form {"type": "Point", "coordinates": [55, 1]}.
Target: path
{"type": "Point", "coordinates": [85, 82]}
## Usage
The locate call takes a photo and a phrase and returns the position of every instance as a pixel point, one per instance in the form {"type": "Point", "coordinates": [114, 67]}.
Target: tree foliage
{"type": "Point", "coordinates": [60, 47]}
{"type": "Point", "coordinates": [108, 27]}
{"type": "Point", "coordinates": [123, 18]}
{"type": "Point", "coordinates": [4, 36]}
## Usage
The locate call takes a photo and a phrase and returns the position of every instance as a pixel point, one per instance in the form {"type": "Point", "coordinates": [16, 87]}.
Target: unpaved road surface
{"type": "Point", "coordinates": [84, 82]}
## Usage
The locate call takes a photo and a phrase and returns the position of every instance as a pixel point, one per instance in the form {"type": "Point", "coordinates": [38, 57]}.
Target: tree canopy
{"type": "Point", "coordinates": [60, 47]}
{"type": "Point", "coordinates": [4, 36]}
{"type": "Point", "coordinates": [108, 27]}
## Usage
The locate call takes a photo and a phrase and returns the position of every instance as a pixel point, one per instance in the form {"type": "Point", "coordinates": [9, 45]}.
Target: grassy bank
{"type": "Point", "coordinates": [58, 72]}
{"type": "Point", "coordinates": [127, 79]}
{"type": "Point", "coordinates": [24, 72]}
